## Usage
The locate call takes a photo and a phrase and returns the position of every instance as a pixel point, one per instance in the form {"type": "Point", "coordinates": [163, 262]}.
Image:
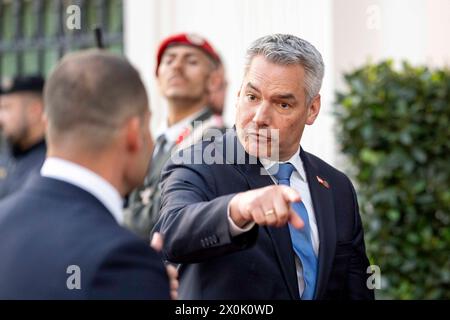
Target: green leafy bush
{"type": "Point", "coordinates": [394, 126]}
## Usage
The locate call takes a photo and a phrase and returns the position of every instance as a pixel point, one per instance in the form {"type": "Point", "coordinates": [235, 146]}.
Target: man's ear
{"type": "Point", "coordinates": [313, 110]}
{"type": "Point", "coordinates": [213, 81]}
{"type": "Point", "coordinates": [133, 137]}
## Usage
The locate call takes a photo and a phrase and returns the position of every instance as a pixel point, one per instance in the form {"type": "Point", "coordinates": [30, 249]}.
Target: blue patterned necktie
{"type": "Point", "coordinates": [301, 239]}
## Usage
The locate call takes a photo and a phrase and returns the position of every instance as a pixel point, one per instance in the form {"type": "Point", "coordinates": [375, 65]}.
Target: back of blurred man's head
{"type": "Point", "coordinates": [96, 105]}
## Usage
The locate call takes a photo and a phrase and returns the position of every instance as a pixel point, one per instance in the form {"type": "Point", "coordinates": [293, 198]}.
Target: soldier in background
{"type": "Point", "coordinates": [186, 74]}
{"type": "Point", "coordinates": [22, 125]}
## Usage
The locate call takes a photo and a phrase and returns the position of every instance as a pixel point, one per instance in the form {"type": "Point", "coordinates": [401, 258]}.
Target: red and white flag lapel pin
{"type": "Point", "coordinates": [323, 182]}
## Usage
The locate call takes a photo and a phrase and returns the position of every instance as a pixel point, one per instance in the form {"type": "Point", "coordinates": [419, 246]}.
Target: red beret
{"type": "Point", "coordinates": [188, 39]}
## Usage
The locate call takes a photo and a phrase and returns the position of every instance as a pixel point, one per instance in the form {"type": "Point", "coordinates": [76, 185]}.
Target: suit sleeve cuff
{"type": "Point", "coordinates": [234, 229]}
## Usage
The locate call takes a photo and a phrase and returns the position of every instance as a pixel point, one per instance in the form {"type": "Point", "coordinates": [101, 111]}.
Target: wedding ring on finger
{"type": "Point", "coordinates": [269, 212]}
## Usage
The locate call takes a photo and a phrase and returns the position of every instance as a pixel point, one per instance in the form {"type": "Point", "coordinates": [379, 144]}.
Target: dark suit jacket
{"type": "Point", "coordinates": [50, 225]}
{"type": "Point", "coordinates": [258, 264]}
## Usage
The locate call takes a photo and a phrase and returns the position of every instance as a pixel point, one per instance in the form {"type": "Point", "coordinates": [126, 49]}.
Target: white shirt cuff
{"type": "Point", "coordinates": [234, 229]}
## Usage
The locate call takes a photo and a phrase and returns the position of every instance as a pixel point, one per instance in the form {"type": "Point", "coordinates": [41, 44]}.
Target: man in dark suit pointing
{"type": "Point", "coordinates": [265, 219]}
{"type": "Point", "coordinates": [61, 234]}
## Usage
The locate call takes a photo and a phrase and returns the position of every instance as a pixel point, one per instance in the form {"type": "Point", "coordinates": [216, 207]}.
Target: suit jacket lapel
{"type": "Point", "coordinates": [322, 199]}
{"type": "Point", "coordinates": [253, 171]}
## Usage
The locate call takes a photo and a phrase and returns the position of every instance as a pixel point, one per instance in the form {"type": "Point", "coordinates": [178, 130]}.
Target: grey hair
{"type": "Point", "coordinates": [286, 49]}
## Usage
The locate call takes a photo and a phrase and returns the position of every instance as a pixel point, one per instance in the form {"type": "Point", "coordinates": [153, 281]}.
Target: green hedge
{"type": "Point", "coordinates": [394, 126]}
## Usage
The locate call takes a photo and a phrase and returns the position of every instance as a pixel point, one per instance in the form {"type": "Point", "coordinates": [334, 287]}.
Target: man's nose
{"type": "Point", "coordinates": [177, 65]}
{"type": "Point", "coordinates": [262, 115]}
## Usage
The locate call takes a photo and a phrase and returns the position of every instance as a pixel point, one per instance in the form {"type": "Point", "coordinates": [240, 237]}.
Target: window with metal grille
{"type": "Point", "coordinates": [34, 33]}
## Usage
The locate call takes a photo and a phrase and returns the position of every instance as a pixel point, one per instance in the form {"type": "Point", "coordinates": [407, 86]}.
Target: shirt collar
{"type": "Point", "coordinates": [87, 180]}
{"type": "Point", "coordinates": [295, 160]}
{"type": "Point", "coordinates": [173, 132]}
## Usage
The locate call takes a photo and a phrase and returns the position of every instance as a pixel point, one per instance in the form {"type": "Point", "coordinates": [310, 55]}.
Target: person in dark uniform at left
{"type": "Point", "coordinates": [22, 125]}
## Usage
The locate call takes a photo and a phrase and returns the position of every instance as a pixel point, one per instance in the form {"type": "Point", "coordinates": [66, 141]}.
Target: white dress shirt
{"type": "Point", "coordinates": [70, 172]}
{"type": "Point", "coordinates": [298, 181]}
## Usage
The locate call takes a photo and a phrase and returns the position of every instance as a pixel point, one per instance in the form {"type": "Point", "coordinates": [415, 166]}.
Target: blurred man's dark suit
{"type": "Point", "coordinates": [50, 225]}
{"type": "Point", "coordinates": [258, 264]}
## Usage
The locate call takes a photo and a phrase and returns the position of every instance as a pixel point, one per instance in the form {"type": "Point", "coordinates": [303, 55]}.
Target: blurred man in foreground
{"type": "Point", "coordinates": [60, 234]}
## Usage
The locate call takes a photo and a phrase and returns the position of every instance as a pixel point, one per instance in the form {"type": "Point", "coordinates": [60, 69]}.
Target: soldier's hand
{"type": "Point", "coordinates": [268, 206]}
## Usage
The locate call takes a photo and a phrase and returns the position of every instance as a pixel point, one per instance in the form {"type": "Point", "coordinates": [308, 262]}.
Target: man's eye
{"type": "Point", "coordinates": [251, 97]}
{"type": "Point", "coordinates": [193, 62]}
{"type": "Point", "coordinates": [284, 106]}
